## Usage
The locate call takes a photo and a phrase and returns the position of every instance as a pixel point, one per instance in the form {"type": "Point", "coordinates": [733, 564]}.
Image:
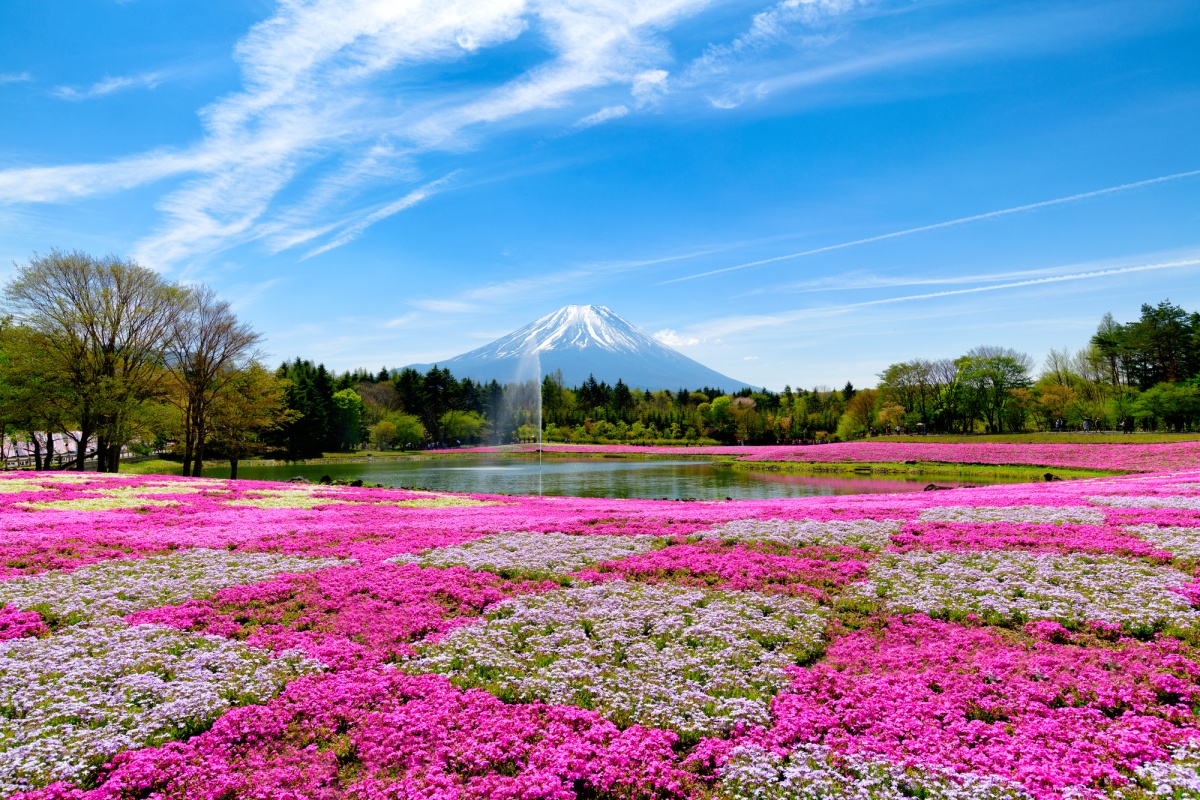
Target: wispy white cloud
{"type": "Point", "coordinates": [311, 93]}
{"type": "Point", "coordinates": [15, 77]}
{"type": "Point", "coordinates": [400, 321]}
{"type": "Point", "coordinates": [246, 296]}
{"type": "Point", "coordinates": [109, 85]}
{"type": "Point", "coordinates": [445, 306]}
{"type": "Point", "coordinates": [649, 86]}
{"type": "Point", "coordinates": [672, 339]}
{"type": "Point", "coordinates": [939, 225]}
{"type": "Point", "coordinates": [319, 117]}
{"type": "Point", "coordinates": [352, 232]}
{"type": "Point", "coordinates": [730, 325]}
{"type": "Point", "coordinates": [603, 115]}
{"type": "Point", "coordinates": [532, 288]}
{"type": "Point", "coordinates": [777, 23]}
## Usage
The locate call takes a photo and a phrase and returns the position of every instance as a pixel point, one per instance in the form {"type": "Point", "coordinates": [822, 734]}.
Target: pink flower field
{"type": "Point", "coordinates": [183, 638]}
{"type": "Point", "coordinates": [1105, 454]}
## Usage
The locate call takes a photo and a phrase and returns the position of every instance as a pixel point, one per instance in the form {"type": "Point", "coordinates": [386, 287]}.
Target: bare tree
{"type": "Point", "coordinates": [1057, 368]}
{"type": "Point", "coordinates": [102, 323]}
{"type": "Point", "coordinates": [207, 348]}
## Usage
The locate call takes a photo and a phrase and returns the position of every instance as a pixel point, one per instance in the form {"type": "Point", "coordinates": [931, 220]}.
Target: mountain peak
{"type": "Point", "coordinates": [582, 340]}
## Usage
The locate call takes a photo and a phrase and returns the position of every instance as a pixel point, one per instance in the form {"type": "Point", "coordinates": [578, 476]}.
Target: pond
{"type": "Point", "coordinates": [594, 477]}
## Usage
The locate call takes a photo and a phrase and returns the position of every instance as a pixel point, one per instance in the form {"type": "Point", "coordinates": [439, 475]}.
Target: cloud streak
{"type": "Point", "coordinates": [409, 200]}
{"type": "Point", "coordinates": [737, 324]}
{"type": "Point", "coordinates": [939, 225]}
{"type": "Point", "coordinates": [109, 85]}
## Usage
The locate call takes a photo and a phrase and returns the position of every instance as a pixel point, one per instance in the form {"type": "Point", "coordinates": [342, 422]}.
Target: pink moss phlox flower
{"type": "Point", "coordinates": [43, 551]}
{"type": "Point", "coordinates": [1191, 591]}
{"type": "Point", "coordinates": [1048, 631]}
{"type": "Point", "coordinates": [1180, 517]}
{"type": "Point", "coordinates": [373, 735]}
{"type": "Point", "coordinates": [1047, 716]}
{"type": "Point", "coordinates": [343, 616]}
{"type": "Point", "coordinates": [810, 571]}
{"type": "Point", "coordinates": [15, 623]}
{"type": "Point", "coordinates": [1065, 538]}
{"type": "Point", "coordinates": [1100, 455]}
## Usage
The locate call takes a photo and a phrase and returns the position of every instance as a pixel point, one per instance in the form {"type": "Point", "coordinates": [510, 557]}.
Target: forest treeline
{"type": "Point", "coordinates": [111, 357]}
{"type": "Point", "coordinates": [1140, 375]}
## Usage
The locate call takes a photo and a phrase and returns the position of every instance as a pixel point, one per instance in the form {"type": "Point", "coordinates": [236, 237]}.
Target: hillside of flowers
{"type": "Point", "coordinates": [183, 638]}
{"type": "Point", "coordinates": [1105, 454]}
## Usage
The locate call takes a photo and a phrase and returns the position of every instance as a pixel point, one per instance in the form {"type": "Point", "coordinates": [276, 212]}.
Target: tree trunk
{"type": "Point", "coordinates": [49, 450]}
{"type": "Point", "coordinates": [189, 440]}
{"type": "Point", "coordinates": [101, 449]}
{"type": "Point", "coordinates": [81, 452]}
{"type": "Point", "coordinates": [233, 462]}
{"type": "Point", "coordinates": [37, 451]}
{"type": "Point", "coordinates": [199, 463]}
{"type": "Point", "coordinates": [113, 460]}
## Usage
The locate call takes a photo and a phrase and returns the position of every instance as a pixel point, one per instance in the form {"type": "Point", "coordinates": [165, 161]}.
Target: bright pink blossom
{"type": "Point", "coordinates": [367, 734]}
{"type": "Point", "coordinates": [1048, 716]}
{"type": "Point", "coordinates": [343, 616]}
{"type": "Point", "coordinates": [15, 623]}
{"type": "Point", "coordinates": [808, 571]}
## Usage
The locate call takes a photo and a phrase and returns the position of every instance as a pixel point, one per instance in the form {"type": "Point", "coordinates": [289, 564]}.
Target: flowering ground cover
{"type": "Point", "coordinates": [175, 638]}
{"type": "Point", "coordinates": [1106, 455]}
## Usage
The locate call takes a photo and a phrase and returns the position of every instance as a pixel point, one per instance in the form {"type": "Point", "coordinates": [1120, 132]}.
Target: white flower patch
{"type": "Point", "coordinates": [70, 702]}
{"type": "Point", "coordinates": [102, 499]}
{"type": "Point", "coordinates": [520, 552]}
{"type": "Point", "coordinates": [1034, 515]}
{"type": "Point", "coordinates": [1071, 589]}
{"type": "Point", "coordinates": [439, 501]}
{"type": "Point", "coordinates": [179, 487]}
{"type": "Point", "coordinates": [302, 498]}
{"type": "Point", "coordinates": [1147, 501]}
{"type": "Point", "coordinates": [1180, 542]}
{"type": "Point", "coordinates": [1179, 777]}
{"type": "Point", "coordinates": [121, 586]}
{"type": "Point", "coordinates": [865, 534]}
{"type": "Point", "coordinates": [691, 660]}
{"type": "Point", "coordinates": [809, 773]}
{"type": "Point", "coordinates": [18, 485]}
{"type": "Point", "coordinates": [72, 478]}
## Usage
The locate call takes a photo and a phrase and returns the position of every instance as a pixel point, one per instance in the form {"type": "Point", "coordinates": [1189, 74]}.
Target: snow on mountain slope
{"type": "Point", "coordinates": [583, 341]}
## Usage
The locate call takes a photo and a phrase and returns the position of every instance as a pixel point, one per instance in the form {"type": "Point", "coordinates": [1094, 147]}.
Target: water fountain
{"type": "Point", "coordinates": [522, 406]}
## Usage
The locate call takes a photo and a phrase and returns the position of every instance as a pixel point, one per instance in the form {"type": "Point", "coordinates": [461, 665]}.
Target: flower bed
{"type": "Point", "coordinates": [176, 638]}
{"type": "Point", "coordinates": [1102, 455]}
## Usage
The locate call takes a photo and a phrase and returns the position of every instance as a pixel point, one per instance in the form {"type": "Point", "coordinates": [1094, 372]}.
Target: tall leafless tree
{"type": "Point", "coordinates": [205, 351]}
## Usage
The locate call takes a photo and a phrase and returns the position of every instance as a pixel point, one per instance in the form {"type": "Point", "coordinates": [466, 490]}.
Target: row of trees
{"type": "Point", "coordinates": [1141, 374]}
{"type": "Point", "coordinates": [110, 354]}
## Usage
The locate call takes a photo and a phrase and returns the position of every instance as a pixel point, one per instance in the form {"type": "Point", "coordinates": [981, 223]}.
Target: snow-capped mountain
{"type": "Point", "coordinates": [582, 341]}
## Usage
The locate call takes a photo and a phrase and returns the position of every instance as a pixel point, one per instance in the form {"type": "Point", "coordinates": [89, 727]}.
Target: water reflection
{"type": "Point", "coordinates": [591, 477]}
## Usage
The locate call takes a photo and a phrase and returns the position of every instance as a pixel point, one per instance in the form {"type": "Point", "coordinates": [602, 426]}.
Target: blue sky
{"type": "Point", "coordinates": [790, 192]}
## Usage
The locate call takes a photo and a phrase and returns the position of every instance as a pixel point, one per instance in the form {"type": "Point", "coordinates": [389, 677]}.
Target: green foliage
{"type": "Point", "coordinates": [462, 426]}
{"type": "Point", "coordinates": [347, 418]}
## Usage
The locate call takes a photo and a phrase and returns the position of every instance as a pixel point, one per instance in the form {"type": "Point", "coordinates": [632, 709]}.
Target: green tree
{"type": "Point", "coordinates": [461, 426]}
{"type": "Point", "coordinates": [103, 325]}
{"type": "Point", "coordinates": [347, 421]}
{"type": "Point", "coordinates": [250, 403]}
{"type": "Point", "coordinates": [410, 431]}
{"type": "Point", "coordinates": [992, 373]}
{"type": "Point", "coordinates": [1176, 405]}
